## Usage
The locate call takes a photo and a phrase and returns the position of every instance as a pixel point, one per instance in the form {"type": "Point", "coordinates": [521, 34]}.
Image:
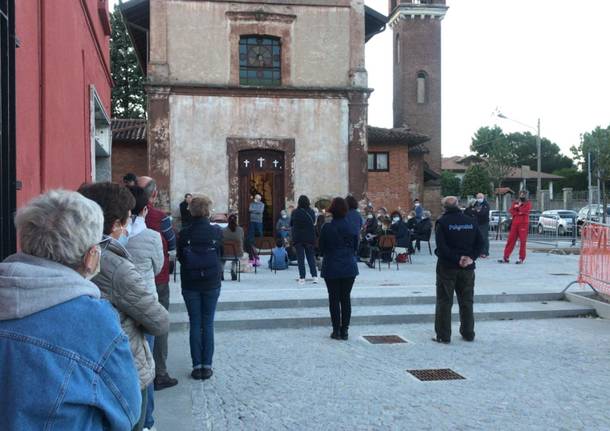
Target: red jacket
{"type": "Point", "coordinates": [521, 213]}
{"type": "Point", "coordinates": [161, 222]}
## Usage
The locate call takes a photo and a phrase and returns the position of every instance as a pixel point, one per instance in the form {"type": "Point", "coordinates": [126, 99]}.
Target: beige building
{"type": "Point", "coordinates": [255, 96]}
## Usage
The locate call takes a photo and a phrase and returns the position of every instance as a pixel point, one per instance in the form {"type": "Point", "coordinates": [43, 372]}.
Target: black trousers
{"type": "Point", "coordinates": [339, 302]}
{"type": "Point", "coordinates": [448, 280]}
{"type": "Point", "coordinates": [306, 251]}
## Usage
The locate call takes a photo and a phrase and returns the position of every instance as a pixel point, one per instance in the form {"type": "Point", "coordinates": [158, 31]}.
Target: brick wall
{"type": "Point", "coordinates": [128, 157]}
{"type": "Point", "coordinates": [420, 50]}
{"type": "Point", "coordinates": [391, 189]}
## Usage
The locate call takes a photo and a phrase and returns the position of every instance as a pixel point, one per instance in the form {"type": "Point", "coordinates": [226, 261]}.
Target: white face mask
{"type": "Point", "coordinates": [370, 216]}
{"type": "Point", "coordinates": [416, 204]}
{"type": "Point", "coordinates": [480, 200]}
{"type": "Point", "coordinates": [395, 219]}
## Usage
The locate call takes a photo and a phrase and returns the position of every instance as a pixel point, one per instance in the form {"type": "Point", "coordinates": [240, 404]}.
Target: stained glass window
{"type": "Point", "coordinates": [260, 61]}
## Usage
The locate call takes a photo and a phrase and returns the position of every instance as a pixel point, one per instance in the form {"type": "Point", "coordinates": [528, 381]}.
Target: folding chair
{"type": "Point", "coordinates": [263, 246]}
{"type": "Point", "coordinates": [230, 255]}
{"type": "Point", "coordinates": [387, 243]}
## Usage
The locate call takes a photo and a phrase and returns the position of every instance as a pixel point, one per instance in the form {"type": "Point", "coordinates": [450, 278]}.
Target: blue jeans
{"type": "Point", "coordinates": [255, 230]}
{"type": "Point", "coordinates": [149, 421]}
{"type": "Point", "coordinates": [201, 306]}
{"type": "Point", "coordinates": [306, 250]}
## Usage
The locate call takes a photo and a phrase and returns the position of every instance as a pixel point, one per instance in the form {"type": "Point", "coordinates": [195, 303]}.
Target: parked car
{"type": "Point", "coordinates": [591, 213]}
{"type": "Point", "coordinates": [560, 221]}
{"type": "Point", "coordinates": [498, 218]}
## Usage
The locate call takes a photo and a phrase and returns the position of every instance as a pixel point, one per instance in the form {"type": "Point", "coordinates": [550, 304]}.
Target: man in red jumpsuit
{"type": "Point", "coordinates": [520, 211]}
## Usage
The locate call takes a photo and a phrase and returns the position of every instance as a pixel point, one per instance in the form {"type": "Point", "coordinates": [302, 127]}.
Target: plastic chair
{"type": "Point", "coordinates": [263, 246]}
{"type": "Point", "coordinates": [387, 243]}
{"type": "Point", "coordinates": [230, 255]}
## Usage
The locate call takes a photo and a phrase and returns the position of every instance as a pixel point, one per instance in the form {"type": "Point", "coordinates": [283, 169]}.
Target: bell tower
{"type": "Point", "coordinates": [416, 28]}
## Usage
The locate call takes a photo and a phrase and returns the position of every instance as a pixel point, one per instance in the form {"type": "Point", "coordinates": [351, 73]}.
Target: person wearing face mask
{"type": "Point", "coordinates": [419, 210]}
{"type": "Point", "coordinates": [257, 208]}
{"type": "Point", "coordinates": [481, 212]}
{"type": "Point", "coordinates": [146, 249]}
{"type": "Point", "coordinates": [520, 212]}
{"type": "Point", "coordinates": [400, 231]}
{"type": "Point", "coordinates": [122, 284]}
{"type": "Point", "coordinates": [67, 349]}
{"type": "Point", "coordinates": [282, 226]}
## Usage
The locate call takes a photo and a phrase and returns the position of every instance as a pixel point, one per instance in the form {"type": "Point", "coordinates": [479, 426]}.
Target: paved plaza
{"type": "Point", "coordinates": [519, 374]}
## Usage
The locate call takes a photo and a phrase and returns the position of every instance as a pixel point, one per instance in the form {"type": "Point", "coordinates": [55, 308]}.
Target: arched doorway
{"type": "Point", "coordinates": [262, 171]}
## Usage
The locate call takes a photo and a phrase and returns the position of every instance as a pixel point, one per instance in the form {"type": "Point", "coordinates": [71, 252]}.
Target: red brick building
{"type": "Point", "coordinates": [397, 170]}
{"type": "Point", "coordinates": [129, 151]}
{"type": "Point", "coordinates": [61, 102]}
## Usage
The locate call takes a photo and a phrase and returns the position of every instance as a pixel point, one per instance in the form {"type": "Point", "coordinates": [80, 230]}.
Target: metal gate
{"type": "Point", "coordinates": [7, 128]}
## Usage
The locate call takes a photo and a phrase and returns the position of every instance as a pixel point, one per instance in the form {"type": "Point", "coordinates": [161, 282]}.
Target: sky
{"type": "Point", "coordinates": [531, 59]}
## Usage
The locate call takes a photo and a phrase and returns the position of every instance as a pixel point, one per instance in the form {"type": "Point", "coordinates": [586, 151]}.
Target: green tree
{"type": "Point", "coordinates": [128, 96]}
{"type": "Point", "coordinates": [476, 180]}
{"type": "Point", "coordinates": [572, 177]}
{"type": "Point", "coordinates": [526, 152]}
{"type": "Point", "coordinates": [450, 184]}
{"type": "Point", "coordinates": [494, 147]}
{"type": "Point", "coordinates": [597, 143]}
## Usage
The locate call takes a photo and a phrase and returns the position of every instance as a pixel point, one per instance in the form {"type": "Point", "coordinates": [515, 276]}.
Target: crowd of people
{"type": "Point", "coordinates": [107, 241]}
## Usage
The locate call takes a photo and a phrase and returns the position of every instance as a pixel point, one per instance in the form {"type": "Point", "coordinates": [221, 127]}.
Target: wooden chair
{"type": "Point", "coordinates": [387, 243]}
{"type": "Point", "coordinates": [263, 246]}
{"type": "Point", "coordinates": [230, 254]}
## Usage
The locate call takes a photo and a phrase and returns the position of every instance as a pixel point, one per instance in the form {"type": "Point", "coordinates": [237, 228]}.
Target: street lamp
{"type": "Point", "coordinates": [539, 159]}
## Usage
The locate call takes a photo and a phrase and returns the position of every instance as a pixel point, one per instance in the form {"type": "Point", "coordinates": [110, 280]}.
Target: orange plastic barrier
{"type": "Point", "coordinates": [594, 267]}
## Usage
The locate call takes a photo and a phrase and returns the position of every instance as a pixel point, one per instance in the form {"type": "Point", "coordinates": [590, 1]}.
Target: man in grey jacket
{"type": "Point", "coordinates": [257, 208]}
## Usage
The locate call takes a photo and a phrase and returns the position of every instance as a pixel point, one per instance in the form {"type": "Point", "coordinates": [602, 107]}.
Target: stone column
{"type": "Point", "coordinates": [357, 147]}
{"type": "Point", "coordinates": [159, 142]}
{"type": "Point", "coordinates": [567, 198]}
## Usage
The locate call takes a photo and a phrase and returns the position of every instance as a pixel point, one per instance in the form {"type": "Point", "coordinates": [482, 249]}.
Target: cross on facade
{"type": "Point", "coordinates": [260, 161]}
{"type": "Point", "coordinates": [246, 163]}
{"type": "Point", "coordinates": [275, 163]}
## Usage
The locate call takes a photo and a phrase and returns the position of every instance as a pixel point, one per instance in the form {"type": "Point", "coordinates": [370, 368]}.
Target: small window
{"type": "Point", "coordinates": [260, 61]}
{"type": "Point", "coordinates": [379, 162]}
{"type": "Point", "coordinates": [422, 84]}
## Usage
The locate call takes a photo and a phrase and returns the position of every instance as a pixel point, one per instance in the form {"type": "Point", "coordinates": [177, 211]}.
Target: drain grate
{"type": "Point", "coordinates": [436, 374]}
{"type": "Point", "coordinates": [384, 339]}
{"type": "Point", "coordinates": [389, 284]}
{"type": "Point", "coordinates": [560, 273]}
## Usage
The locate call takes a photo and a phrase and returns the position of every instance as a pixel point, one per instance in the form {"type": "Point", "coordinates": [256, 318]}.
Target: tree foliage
{"type": "Point", "coordinates": [492, 144]}
{"type": "Point", "coordinates": [128, 96]}
{"type": "Point", "coordinates": [476, 180]}
{"type": "Point", "coordinates": [597, 143]}
{"type": "Point", "coordinates": [572, 177]}
{"type": "Point", "coordinates": [450, 184]}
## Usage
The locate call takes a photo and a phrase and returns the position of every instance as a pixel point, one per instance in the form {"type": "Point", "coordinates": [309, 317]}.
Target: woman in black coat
{"type": "Point", "coordinates": [338, 244]}
{"type": "Point", "coordinates": [302, 222]}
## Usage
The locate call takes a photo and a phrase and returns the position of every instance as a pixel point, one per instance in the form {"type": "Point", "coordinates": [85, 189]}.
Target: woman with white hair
{"type": "Point", "coordinates": [67, 363]}
{"type": "Point", "coordinates": [122, 284]}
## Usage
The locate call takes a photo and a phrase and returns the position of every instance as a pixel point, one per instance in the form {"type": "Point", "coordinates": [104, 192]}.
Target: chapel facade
{"type": "Point", "coordinates": [265, 96]}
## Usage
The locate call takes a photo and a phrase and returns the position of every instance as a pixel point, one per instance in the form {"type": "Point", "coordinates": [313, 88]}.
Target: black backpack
{"type": "Point", "coordinates": [201, 262]}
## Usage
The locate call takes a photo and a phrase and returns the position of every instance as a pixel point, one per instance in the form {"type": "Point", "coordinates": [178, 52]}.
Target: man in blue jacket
{"type": "Point", "coordinates": [459, 243]}
{"type": "Point", "coordinates": [66, 363]}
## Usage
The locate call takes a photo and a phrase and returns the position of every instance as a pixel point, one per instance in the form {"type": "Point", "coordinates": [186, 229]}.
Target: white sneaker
{"type": "Point", "coordinates": [149, 429]}
{"type": "Point", "coordinates": [301, 281]}
{"type": "Point", "coordinates": [315, 280]}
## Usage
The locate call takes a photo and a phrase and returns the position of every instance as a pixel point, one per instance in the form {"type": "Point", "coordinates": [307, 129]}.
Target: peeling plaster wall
{"type": "Point", "coordinates": [200, 126]}
{"type": "Point", "coordinates": [199, 50]}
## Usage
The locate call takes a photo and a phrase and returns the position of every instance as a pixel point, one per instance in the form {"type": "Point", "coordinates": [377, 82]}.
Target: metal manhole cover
{"type": "Point", "coordinates": [384, 339]}
{"type": "Point", "coordinates": [436, 374]}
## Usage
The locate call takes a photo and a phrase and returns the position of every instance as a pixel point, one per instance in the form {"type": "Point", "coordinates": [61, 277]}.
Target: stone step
{"type": "Point", "coordinates": [275, 318]}
{"type": "Point", "coordinates": [322, 301]}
